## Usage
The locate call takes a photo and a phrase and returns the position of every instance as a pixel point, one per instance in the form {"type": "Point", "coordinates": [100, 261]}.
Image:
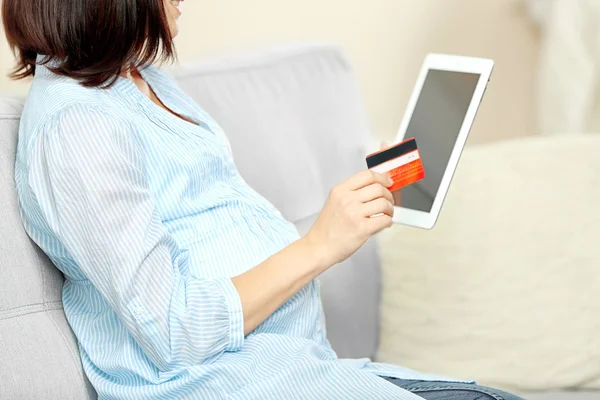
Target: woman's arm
{"type": "Point", "coordinates": [342, 228]}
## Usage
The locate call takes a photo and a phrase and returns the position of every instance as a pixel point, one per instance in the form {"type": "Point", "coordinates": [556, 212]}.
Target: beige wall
{"type": "Point", "coordinates": [386, 41]}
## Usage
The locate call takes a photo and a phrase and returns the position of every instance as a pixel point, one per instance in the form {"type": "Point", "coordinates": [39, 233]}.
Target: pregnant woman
{"type": "Point", "coordinates": [181, 281]}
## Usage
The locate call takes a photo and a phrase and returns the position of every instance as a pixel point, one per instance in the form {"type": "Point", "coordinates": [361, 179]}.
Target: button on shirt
{"type": "Point", "coordinates": [148, 218]}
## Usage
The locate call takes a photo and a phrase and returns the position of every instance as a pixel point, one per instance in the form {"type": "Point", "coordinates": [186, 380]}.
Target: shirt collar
{"type": "Point", "coordinates": [43, 63]}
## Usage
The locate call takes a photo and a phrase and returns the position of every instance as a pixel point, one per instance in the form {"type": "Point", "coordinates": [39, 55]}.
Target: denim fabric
{"type": "Point", "coordinates": [451, 391]}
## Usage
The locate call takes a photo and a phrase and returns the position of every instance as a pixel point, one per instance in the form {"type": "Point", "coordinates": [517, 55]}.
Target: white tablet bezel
{"type": "Point", "coordinates": [481, 66]}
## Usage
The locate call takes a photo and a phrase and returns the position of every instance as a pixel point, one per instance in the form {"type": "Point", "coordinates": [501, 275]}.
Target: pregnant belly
{"type": "Point", "coordinates": [238, 248]}
{"type": "Point", "coordinates": [235, 250]}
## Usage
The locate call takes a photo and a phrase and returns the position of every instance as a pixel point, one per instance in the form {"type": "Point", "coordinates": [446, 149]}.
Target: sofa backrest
{"type": "Point", "coordinates": [38, 352]}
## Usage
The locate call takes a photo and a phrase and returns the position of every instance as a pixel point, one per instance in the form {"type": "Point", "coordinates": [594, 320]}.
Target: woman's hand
{"type": "Point", "coordinates": [355, 210]}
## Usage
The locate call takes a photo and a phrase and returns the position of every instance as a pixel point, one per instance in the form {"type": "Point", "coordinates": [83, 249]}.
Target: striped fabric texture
{"type": "Point", "coordinates": [148, 218]}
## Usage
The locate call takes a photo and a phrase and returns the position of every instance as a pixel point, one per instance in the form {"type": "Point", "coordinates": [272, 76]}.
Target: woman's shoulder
{"type": "Point", "coordinates": [63, 111]}
{"type": "Point", "coordinates": [53, 98]}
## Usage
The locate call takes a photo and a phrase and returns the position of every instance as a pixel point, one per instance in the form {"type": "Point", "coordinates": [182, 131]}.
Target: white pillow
{"type": "Point", "coordinates": [506, 288]}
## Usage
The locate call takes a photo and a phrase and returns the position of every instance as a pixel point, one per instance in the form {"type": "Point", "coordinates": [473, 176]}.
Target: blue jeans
{"type": "Point", "coordinates": [451, 391]}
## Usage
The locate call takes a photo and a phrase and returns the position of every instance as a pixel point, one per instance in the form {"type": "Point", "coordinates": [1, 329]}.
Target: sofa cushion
{"type": "Point", "coordinates": [505, 289]}
{"type": "Point", "coordinates": [38, 351]}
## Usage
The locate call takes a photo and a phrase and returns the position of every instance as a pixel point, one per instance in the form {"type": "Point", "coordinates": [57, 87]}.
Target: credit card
{"type": "Point", "coordinates": [402, 162]}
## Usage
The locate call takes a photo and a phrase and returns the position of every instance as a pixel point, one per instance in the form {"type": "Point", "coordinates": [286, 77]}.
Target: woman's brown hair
{"type": "Point", "coordinates": [88, 40]}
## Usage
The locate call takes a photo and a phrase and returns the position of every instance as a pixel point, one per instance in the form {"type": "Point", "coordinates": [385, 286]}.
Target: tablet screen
{"type": "Point", "coordinates": [435, 124]}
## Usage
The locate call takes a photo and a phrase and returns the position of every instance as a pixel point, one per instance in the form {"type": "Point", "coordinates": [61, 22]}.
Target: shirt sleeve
{"type": "Point", "coordinates": [95, 197]}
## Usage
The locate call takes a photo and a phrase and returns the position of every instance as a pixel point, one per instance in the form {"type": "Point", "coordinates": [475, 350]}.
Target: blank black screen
{"type": "Point", "coordinates": [435, 124]}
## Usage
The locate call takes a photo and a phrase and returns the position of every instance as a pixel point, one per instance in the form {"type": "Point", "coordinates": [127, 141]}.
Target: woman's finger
{"type": "Point", "coordinates": [366, 178]}
{"type": "Point", "coordinates": [378, 223]}
{"type": "Point", "coordinates": [378, 206]}
{"type": "Point", "coordinates": [374, 191]}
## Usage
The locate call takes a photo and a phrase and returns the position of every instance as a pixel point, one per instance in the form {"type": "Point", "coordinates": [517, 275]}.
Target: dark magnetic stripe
{"type": "Point", "coordinates": [391, 153]}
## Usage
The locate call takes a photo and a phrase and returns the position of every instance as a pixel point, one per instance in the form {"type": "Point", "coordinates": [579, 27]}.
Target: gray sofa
{"type": "Point", "coordinates": [297, 127]}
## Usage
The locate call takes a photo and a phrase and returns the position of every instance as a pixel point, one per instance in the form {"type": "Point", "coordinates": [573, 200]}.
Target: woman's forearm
{"type": "Point", "coordinates": [264, 288]}
{"type": "Point", "coordinates": [344, 225]}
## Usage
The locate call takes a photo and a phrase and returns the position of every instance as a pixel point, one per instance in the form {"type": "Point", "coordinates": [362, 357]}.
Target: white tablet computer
{"type": "Point", "coordinates": [439, 116]}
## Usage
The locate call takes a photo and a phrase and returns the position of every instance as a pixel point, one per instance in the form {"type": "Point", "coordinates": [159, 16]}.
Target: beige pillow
{"type": "Point", "coordinates": [506, 288]}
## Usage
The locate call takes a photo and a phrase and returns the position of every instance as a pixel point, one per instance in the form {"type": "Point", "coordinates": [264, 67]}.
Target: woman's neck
{"type": "Point", "coordinates": [133, 75]}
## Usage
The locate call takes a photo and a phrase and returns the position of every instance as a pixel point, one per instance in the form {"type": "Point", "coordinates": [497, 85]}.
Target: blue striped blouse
{"type": "Point", "coordinates": [148, 218]}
